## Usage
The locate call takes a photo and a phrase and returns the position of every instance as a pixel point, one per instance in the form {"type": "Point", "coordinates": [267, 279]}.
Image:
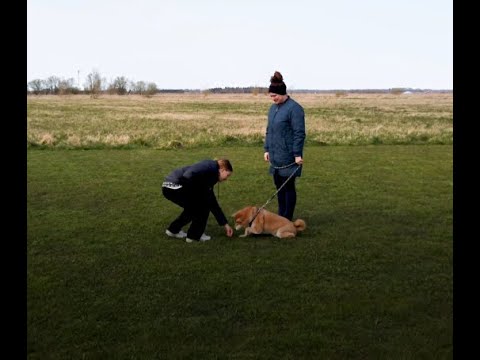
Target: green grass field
{"type": "Point", "coordinates": [370, 278]}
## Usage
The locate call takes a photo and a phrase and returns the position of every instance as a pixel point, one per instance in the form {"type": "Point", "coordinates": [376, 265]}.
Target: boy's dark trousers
{"type": "Point", "coordinates": [196, 209]}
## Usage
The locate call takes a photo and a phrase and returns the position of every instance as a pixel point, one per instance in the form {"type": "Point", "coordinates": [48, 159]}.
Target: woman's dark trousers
{"type": "Point", "coordinates": [287, 197]}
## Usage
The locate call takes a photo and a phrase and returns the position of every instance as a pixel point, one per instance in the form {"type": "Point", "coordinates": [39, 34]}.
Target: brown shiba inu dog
{"type": "Point", "coordinates": [266, 222]}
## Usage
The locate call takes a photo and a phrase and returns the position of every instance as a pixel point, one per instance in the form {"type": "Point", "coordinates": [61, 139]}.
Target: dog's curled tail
{"type": "Point", "coordinates": [300, 224]}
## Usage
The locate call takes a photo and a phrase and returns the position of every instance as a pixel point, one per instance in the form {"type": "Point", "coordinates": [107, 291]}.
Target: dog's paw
{"type": "Point", "coordinates": [246, 233]}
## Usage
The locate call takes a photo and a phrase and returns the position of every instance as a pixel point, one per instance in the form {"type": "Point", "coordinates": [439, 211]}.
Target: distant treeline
{"type": "Point", "coordinates": [95, 85]}
{"type": "Point", "coordinates": [229, 90]}
{"type": "Point", "coordinates": [264, 90]}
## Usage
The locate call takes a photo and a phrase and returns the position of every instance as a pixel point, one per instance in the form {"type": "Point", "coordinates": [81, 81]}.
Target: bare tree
{"type": "Point", "coordinates": [118, 86]}
{"type": "Point", "coordinates": [151, 89]}
{"type": "Point", "coordinates": [37, 86]}
{"type": "Point", "coordinates": [67, 87]}
{"type": "Point", "coordinates": [93, 84]}
{"type": "Point", "coordinates": [139, 87]}
{"type": "Point", "coordinates": [52, 84]}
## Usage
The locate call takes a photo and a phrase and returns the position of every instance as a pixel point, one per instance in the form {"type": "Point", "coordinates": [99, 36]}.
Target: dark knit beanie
{"type": "Point", "coordinates": [277, 86]}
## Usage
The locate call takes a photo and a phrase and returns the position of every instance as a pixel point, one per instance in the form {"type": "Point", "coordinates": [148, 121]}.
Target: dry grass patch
{"type": "Point", "coordinates": [194, 119]}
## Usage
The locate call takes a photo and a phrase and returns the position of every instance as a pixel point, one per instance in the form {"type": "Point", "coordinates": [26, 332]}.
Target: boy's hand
{"type": "Point", "coordinates": [228, 230]}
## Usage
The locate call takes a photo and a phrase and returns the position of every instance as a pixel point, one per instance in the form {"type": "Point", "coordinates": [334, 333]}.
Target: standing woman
{"type": "Point", "coordinates": [284, 141]}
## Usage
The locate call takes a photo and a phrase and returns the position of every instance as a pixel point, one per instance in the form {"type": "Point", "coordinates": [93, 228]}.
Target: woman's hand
{"type": "Point", "coordinates": [266, 156]}
{"type": "Point", "coordinates": [298, 160]}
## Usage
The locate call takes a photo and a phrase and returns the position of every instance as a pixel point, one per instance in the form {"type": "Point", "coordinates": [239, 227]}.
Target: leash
{"type": "Point", "coordinates": [276, 192]}
{"type": "Point", "coordinates": [285, 166]}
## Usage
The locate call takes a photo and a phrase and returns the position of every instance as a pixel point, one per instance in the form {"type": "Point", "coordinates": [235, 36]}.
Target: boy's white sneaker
{"type": "Point", "coordinates": [203, 238]}
{"type": "Point", "coordinates": [180, 235]}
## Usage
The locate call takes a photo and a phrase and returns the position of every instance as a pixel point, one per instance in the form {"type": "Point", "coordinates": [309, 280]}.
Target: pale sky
{"type": "Point", "coordinates": [200, 44]}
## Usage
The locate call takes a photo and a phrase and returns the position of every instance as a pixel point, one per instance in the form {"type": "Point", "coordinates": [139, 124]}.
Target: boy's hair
{"type": "Point", "coordinates": [225, 164]}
